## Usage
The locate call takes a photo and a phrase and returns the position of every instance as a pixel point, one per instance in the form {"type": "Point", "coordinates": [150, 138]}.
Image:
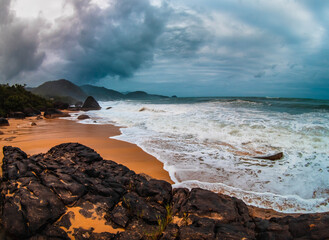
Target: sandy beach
{"type": "Point", "coordinates": [48, 133]}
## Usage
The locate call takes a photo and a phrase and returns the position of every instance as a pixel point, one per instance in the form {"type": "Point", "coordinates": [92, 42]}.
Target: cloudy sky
{"type": "Point", "coordinates": [183, 47]}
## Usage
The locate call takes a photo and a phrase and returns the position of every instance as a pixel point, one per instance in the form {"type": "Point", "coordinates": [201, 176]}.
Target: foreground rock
{"type": "Point", "coordinates": [46, 195]}
{"type": "Point", "coordinates": [90, 104]}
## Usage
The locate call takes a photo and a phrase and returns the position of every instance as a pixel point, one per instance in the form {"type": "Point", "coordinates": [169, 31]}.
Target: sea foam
{"type": "Point", "coordinates": [211, 144]}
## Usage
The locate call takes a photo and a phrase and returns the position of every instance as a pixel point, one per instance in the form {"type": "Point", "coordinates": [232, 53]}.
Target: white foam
{"type": "Point", "coordinates": [210, 145]}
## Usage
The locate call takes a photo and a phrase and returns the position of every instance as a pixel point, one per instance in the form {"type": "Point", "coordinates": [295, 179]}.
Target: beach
{"type": "Point", "coordinates": [48, 133]}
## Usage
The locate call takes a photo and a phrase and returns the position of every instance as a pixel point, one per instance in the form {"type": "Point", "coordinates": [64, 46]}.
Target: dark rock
{"type": "Point", "coordinates": [174, 96]}
{"type": "Point", "coordinates": [171, 232]}
{"type": "Point", "coordinates": [202, 203]}
{"type": "Point", "coordinates": [83, 117]}
{"type": "Point", "coordinates": [61, 105]}
{"type": "Point", "coordinates": [120, 216]}
{"type": "Point", "coordinates": [108, 108]}
{"type": "Point", "coordinates": [156, 190]}
{"type": "Point", "coordinates": [90, 104]}
{"type": "Point", "coordinates": [30, 112]}
{"type": "Point", "coordinates": [39, 118]}
{"type": "Point", "coordinates": [1, 133]}
{"type": "Point", "coordinates": [54, 113]}
{"type": "Point", "coordinates": [4, 122]}
{"type": "Point", "coordinates": [195, 233]}
{"type": "Point", "coordinates": [276, 156]}
{"type": "Point", "coordinates": [140, 208]}
{"type": "Point", "coordinates": [33, 124]}
{"type": "Point", "coordinates": [102, 236]}
{"type": "Point", "coordinates": [17, 115]}
{"type": "Point", "coordinates": [37, 193]}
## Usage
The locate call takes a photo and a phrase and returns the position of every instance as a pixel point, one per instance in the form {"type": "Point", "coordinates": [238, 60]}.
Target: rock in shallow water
{"type": "Point", "coordinates": [46, 195]}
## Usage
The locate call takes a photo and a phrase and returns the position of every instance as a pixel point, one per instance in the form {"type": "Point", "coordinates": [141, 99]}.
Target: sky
{"type": "Point", "coordinates": [276, 48]}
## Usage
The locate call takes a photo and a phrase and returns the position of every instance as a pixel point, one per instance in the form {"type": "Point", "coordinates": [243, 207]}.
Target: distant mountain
{"type": "Point", "coordinates": [65, 91]}
{"type": "Point", "coordinates": [102, 93]}
{"type": "Point", "coordinates": [62, 90]}
{"type": "Point", "coordinates": [143, 95]}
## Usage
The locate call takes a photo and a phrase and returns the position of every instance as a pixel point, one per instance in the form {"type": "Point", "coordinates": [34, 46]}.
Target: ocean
{"type": "Point", "coordinates": [211, 143]}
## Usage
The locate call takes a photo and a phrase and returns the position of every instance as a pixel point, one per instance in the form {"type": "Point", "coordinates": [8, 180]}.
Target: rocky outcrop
{"type": "Point", "coordinates": [54, 113]}
{"type": "Point", "coordinates": [90, 104]}
{"type": "Point", "coordinates": [43, 195]}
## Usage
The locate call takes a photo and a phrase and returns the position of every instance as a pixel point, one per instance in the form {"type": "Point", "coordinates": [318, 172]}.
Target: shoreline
{"type": "Point", "coordinates": [48, 133]}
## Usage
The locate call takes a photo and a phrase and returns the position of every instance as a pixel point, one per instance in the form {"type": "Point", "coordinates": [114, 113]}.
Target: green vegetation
{"type": "Point", "coordinates": [15, 99]}
{"type": "Point", "coordinates": [162, 224]}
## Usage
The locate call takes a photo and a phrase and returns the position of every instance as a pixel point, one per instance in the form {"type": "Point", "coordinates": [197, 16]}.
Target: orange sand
{"type": "Point", "coordinates": [51, 132]}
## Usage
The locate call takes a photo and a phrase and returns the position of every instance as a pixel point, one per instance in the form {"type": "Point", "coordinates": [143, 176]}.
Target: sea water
{"type": "Point", "coordinates": [212, 143]}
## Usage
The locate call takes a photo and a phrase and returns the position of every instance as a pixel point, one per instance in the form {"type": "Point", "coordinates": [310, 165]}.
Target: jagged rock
{"type": "Point", "coordinates": [38, 192]}
{"type": "Point", "coordinates": [4, 122]}
{"type": "Point", "coordinates": [120, 216]}
{"type": "Point", "coordinates": [90, 104]}
{"type": "Point", "coordinates": [54, 113]}
{"type": "Point", "coordinates": [276, 156]}
{"type": "Point", "coordinates": [83, 117]}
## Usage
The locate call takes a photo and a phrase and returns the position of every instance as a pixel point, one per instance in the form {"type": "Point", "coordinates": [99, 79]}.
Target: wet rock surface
{"type": "Point", "coordinates": [43, 195]}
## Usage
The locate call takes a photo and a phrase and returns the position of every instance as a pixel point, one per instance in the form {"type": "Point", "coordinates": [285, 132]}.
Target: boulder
{"type": "Point", "coordinates": [54, 113]}
{"type": "Point", "coordinates": [90, 104]}
{"type": "Point", "coordinates": [61, 105]}
{"type": "Point", "coordinates": [83, 117]}
{"type": "Point", "coordinates": [4, 122]}
{"type": "Point", "coordinates": [33, 124]}
{"type": "Point", "coordinates": [17, 115]}
{"type": "Point", "coordinates": [30, 112]}
{"type": "Point", "coordinates": [276, 156]}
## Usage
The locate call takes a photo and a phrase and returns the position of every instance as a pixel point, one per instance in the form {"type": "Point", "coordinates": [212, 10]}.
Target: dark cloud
{"type": "Point", "coordinates": [19, 43]}
{"type": "Point", "coordinates": [114, 42]}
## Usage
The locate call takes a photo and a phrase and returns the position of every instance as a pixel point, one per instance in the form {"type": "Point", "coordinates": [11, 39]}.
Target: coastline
{"type": "Point", "coordinates": [48, 133]}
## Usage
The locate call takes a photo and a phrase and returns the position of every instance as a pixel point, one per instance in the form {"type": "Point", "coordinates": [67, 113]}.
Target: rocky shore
{"type": "Point", "coordinates": [71, 192]}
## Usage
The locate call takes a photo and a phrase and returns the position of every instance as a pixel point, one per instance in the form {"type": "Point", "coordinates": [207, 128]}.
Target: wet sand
{"type": "Point", "coordinates": [48, 133]}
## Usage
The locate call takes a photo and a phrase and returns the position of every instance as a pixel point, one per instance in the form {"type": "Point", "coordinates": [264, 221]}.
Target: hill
{"type": "Point", "coordinates": [102, 93]}
{"type": "Point", "coordinates": [62, 90]}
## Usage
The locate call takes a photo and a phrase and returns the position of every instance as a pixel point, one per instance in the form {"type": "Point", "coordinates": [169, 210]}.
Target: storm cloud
{"type": "Point", "coordinates": [228, 47]}
{"type": "Point", "coordinates": [19, 43]}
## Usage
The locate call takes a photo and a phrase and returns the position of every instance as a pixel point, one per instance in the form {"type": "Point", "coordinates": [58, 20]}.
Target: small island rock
{"type": "Point", "coordinates": [90, 104]}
